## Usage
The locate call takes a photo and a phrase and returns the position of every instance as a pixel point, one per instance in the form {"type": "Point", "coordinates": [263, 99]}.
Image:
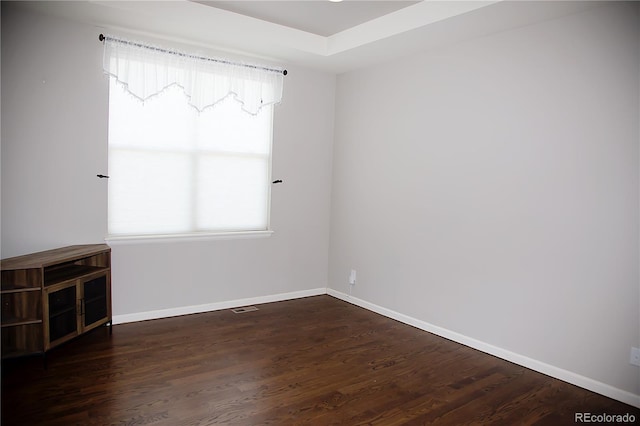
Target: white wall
{"type": "Point", "coordinates": [54, 134]}
{"type": "Point", "coordinates": [491, 188]}
{"type": "Point", "coordinates": [54, 142]}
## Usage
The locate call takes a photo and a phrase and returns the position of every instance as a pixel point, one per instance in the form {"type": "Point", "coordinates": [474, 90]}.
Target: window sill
{"type": "Point", "coordinates": [144, 239]}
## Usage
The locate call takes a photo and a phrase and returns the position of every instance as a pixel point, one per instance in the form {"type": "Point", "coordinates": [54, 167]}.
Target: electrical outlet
{"type": "Point", "coordinates": [352, 277]}
{"type": "Point", "coordinates": [634, 358]}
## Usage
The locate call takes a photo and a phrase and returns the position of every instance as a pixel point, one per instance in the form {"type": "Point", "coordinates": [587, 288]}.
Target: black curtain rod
{"type": "Point", "coordinates": [102, 37]}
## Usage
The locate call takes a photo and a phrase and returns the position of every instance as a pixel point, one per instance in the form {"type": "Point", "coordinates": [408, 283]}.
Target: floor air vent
{"type": "Point", "coordinates": [244, 309]}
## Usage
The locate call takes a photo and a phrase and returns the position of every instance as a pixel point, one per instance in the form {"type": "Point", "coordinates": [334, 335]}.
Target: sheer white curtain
{"type": "Point", "coordinates": [147, 70]}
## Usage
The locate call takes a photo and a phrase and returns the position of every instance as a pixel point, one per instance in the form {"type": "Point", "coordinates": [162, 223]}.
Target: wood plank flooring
{"type": "Point", "coordinates": [317, 361]}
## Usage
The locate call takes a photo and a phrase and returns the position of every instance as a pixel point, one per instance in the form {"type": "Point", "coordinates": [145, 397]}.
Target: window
{"type": "Point", "coordinates": [176, 169]}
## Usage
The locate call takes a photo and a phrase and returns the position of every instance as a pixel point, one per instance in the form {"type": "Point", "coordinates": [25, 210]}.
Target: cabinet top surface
{"type": "Point", "coordinates": [51, 257]}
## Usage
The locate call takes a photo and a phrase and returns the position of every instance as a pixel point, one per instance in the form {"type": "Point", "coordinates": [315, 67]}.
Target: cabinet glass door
{"type": "Point", "coordinates": [95, 300]}
{"type": "Point", "coordinates": [62, 313]}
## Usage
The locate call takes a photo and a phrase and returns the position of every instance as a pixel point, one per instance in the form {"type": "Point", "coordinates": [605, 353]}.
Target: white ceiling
{"type": "Point", "coordinates": [319, 17]}
{"type": "Point", "coordinates": [374, 32]}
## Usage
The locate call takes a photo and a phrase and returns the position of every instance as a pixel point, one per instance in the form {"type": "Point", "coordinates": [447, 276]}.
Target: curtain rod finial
{"type": "Point", "coordinates": [101, 37]}
{"type": "Point", "coordinates": [284, 72]}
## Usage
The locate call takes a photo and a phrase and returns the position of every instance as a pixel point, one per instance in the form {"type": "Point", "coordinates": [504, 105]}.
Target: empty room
{"type": "Point", "coordinates": [320, 212]}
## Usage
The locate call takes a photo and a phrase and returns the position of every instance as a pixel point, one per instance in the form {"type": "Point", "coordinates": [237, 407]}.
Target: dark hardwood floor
{"type": "Point", "coordinates": [317, 361]}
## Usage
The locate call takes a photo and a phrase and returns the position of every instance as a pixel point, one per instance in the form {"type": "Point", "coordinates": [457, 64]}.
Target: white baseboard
{"type": "Point", "coordinates": [208, 307]}
{"type": "Point", "coordinates": [541, 367]}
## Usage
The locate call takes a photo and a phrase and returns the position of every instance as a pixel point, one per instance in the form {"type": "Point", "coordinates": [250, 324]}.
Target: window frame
{"type": "Point", "coordinates": [203, 235]}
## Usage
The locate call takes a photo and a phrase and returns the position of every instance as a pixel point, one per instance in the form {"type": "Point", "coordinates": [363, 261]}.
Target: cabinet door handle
{"type": "Point", "coordinates": [81, 307]}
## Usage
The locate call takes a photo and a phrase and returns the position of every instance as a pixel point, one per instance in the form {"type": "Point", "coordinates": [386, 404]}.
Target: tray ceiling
{"type": "Point", "coordinates": [320, 17]}
{"type": "Point", "coordinates": [333, 37]}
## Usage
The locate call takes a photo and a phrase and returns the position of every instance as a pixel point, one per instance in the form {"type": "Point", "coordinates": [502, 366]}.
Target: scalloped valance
{"type": "Point", "coordinates": [147, 70]}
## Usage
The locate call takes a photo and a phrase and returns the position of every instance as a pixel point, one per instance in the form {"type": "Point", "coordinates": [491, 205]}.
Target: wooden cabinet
{"type": "Point", "coordinates": [53, 296]}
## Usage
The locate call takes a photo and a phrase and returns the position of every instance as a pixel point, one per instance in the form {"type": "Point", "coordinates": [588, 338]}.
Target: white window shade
{"type": "Point", "coordinates": [176, 171]}
{"type": "Point", "coordinates": [147, 70]}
